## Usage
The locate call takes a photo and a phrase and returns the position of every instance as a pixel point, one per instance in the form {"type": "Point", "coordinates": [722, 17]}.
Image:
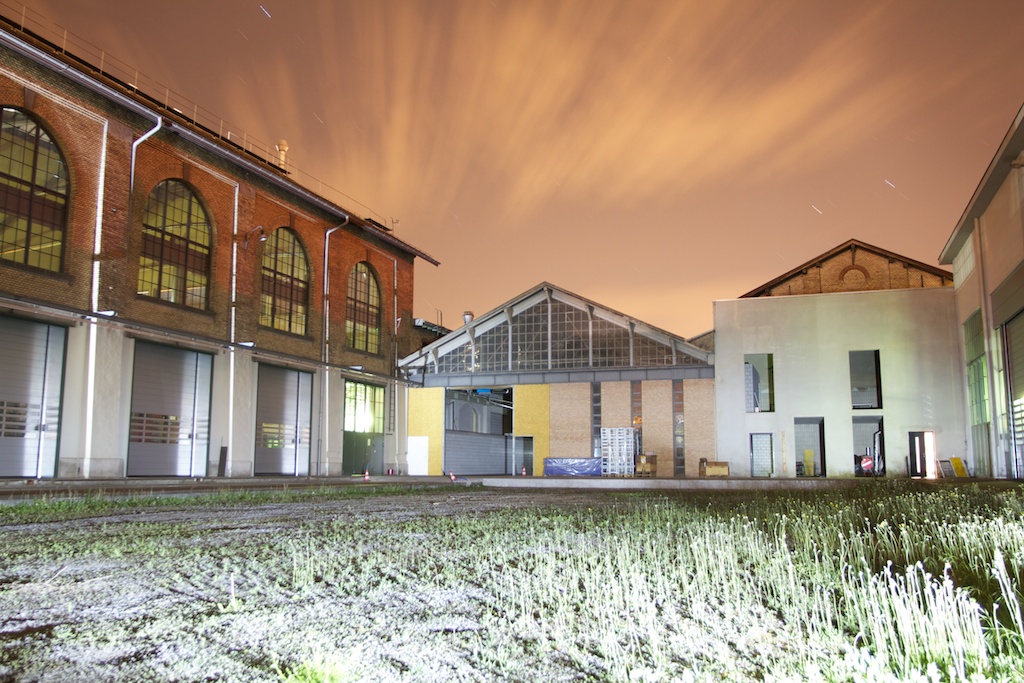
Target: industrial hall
{"type": "Point", "coordinates": [173, 303]}
{"type": "Point", "coordinates": [548, 379]}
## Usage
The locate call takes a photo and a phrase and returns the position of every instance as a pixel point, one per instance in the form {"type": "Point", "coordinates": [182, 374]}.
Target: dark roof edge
{"type": "Point", "coordinates": [995, 174]}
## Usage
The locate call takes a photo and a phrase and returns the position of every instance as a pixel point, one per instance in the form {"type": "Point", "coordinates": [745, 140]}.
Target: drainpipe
{"type": "Point", "coordinates": [135, 147]}
{"type": "Point", "coordinates": [324, 443]}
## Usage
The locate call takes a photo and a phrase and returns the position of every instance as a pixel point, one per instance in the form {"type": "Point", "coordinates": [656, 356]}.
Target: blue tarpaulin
{"type": "Point", "coordinates": [572, 467]}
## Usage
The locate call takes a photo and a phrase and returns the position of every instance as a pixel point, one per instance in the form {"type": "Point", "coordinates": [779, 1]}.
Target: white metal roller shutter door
{"type": "Point", "coordinates": [283, 413]}
{"type": "Point", "coordinates": [1014, 340]}
{"type": "Point", "coordinates": [31, 376]}
{"type": "Point", "coordinates": [170, 422]}
{"type": "Point", "coordinates": [472, 453]}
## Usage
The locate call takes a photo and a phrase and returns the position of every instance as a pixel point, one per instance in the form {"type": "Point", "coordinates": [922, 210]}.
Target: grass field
{"type": "Point", "coordinates": [882, 582]}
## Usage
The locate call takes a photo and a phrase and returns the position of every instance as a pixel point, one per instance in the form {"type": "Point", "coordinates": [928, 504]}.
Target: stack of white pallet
{"type": "Point", "coordinates": [617, 447]}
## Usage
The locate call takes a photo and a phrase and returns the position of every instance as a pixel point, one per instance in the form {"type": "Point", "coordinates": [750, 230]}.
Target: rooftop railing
{"type": "Point", "coordinates": [100, 63]}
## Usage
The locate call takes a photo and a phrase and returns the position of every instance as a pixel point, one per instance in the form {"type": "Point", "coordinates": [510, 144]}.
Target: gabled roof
{"type": "Point", "coordinates": [671, 350]}
{"type": "Point", "coordinates": [849, 246]}
{"type": "Point", "coordinates": [1002, 163]}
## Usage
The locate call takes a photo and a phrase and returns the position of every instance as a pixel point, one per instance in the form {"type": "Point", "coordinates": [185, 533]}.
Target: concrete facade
{"type": "Point", "coordinates": [986, 250]}
{"type": "Point", "coordinates": [809, 338]}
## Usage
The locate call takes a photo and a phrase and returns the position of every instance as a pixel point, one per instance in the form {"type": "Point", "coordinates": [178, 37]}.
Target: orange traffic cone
{"type": "Point", "coordinates": [451, 473]}
{"type": "Point", "coordinates": [524, 470]}
{"type": "Point", "coordinates": [366, 474]}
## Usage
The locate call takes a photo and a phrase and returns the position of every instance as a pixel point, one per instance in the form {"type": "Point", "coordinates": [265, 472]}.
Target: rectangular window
{"type": "Point", "coordinates": [759, 382]}
{"type": "Point", "coordinates": [865, 380]}
{"type": "Point", "coordinates": [977, 391]}
{"type": "Point", "coordinates": [678, 430]}
{"type": "Point", "coordinates": [364, 408]}
{"type": "Point", "coordinates": [637, 401]}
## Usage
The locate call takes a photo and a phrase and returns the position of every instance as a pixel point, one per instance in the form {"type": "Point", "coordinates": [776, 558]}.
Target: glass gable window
{"type": "Point", "coordinates": [284, 296]}
{"type": "Point", "coordinates": [865, 380]}
{"type": "Point", "coordinates": [175, 262]}
{"type": "Point", "coordinates": [364, 408]}
{"type": "Point", "coordinates": [33, 194]}
{"type": "Point", "coordinates": [492, 349]}
{"type": "Point", "coordinates": [759, 382]}
{"type": "Point", "coordinates": [457, 360]}
{"type": "Point", "coordinates": [530, 338]}
{"type": "Point", "coordinates": [570, 336]}
{"type": "Point", "coordinates": [611, 345]}
{"type": "Point", "coordinates": [553, 334]}
{"type": "Point", "coordinates": [647, 351]}
{"type": "Point", "coordinates": [362, 311]}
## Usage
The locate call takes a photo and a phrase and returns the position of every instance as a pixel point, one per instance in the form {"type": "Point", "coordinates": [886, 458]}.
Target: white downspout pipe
{"type": "Point", "coordinates": [323, 444]}
{"type": "Point", "coordinates": [135, 148]}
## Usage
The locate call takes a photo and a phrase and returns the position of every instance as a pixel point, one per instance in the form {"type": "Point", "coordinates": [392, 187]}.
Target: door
{"type": "Point", "coordinates": [169, 433]}
{"type": "Point", "coordinates": [921, 461]}
{"type": "Point", "coordinates": [761, 455]}
{"type": "Point", "coordinates": [31, 377]}
{"type": "Point", "coordinates": [868, 446]}
{"type": "Point", "coordinates": [284, 408]}
{"type": "Point", "coordinates": [809, 433]}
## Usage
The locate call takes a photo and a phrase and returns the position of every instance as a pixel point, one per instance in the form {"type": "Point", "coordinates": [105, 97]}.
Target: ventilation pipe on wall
{"type": "Point", "coordinates": [326, 340]}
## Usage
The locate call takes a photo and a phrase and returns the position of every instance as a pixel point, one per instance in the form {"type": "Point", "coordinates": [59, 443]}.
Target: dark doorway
{"type": "Point", "coordinates": [810, 446]}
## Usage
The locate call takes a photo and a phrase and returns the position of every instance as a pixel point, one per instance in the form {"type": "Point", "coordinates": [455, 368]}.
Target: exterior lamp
{"type": "Point", "coordinates": [262, 237]}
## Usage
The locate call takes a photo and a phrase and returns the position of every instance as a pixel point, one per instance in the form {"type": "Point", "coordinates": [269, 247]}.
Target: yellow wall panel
{"type": "Point", "coordinates": [531, 416]}
{"type": "Point", "coordinates": [426, 418]}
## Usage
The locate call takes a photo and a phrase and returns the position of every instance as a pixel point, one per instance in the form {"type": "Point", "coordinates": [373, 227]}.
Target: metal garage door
{"type": "Point", "coordinates": [473, 453]}
{"type": "Point", "coordinates": [31, 374]}
{"type": "Point", "coordinates": [170, 423]}
{"type": "Point", "coordinates": [283, 415]}
{"type": "Point", "coordinates": [1014, 340]}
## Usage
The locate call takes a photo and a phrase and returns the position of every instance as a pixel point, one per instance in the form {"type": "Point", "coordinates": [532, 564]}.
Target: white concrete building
{"type": "Point", "coordinates": [986, 250]}
{"type": "Point", "coordinates": [847, 365]}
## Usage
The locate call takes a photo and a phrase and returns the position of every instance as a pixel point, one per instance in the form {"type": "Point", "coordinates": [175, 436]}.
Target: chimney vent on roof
{"type": "Point", "coordinates": [282, 151]}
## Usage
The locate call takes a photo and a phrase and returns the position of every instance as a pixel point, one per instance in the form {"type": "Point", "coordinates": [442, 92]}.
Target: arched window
{"type": "Point", "coordinates": [283, 301]}
{"type": "Point", "coordinates": [362, 312]}
{"type": "Point", "coordinates": [175, 262]}
{"type": "Point", "coordinates": [33, 193]}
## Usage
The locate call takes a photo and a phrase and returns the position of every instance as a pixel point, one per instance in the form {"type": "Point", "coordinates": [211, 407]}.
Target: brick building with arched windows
{"type": "Point", "coordinates": [175, 304]}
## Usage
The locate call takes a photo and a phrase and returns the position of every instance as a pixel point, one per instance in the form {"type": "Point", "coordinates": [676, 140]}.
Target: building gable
{"type": "Point", "coordinates": [854, 266]}
{"type": "Point", "coordinates": [548, 329]}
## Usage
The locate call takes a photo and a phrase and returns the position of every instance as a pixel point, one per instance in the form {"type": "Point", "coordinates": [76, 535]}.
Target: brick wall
{"type": "Point", "coordinates": [88, 129]}
{"type": "Point", "coordinates": [570, 421]}
{"type": "Point", "coordinates": [699, 417]}
{"type": "Point", "coordinates": [855, 270]}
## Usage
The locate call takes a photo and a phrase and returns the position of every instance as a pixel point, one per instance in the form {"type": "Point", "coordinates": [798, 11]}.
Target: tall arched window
{"type": "Point", "coordinates": [175, 262]}
{"type": "Point", "coordinates": [284, 297]}
{"type": "Point", "coordinates": [362, 312]}
{"type": "Point", "coordinates": [33, 193]}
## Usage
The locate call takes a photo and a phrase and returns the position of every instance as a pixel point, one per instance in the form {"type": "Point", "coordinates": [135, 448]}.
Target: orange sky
{"type": "Point", "coordinates": [652, 156]}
